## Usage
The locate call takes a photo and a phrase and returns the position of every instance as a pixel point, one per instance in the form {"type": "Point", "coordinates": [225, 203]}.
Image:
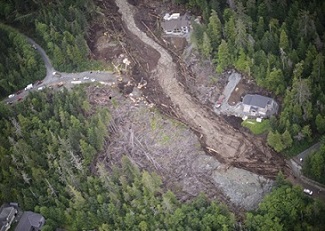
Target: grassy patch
{"type": "Point", "coordinates": [257, 128]}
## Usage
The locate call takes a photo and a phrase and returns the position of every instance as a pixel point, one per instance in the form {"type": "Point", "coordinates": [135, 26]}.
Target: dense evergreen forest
{"type": "Point", "coordinates": [280, 45]}
{"type": "Point", "coordinates": [60, 27]}
{"type": "Point", "coordinates": [20, 64]}
{"type": "Point", "coordinates": [48, 149]}
{"type": "Point", "coordinates": [49, 142]}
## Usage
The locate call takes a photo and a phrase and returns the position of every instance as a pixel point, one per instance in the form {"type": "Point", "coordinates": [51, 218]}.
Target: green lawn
{"type": "Point", "coordinates": [257, 128]}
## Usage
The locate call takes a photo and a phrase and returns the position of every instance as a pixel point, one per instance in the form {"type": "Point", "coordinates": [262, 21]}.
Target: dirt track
{"type": "Point", "coordinates": [230, 146]}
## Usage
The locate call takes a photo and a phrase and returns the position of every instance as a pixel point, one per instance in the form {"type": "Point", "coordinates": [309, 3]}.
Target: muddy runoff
{"type": "Point", "coordinates": [228, 145]}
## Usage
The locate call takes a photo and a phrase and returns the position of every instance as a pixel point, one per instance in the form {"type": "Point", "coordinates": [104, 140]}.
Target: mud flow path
{"type": "Point", "coordinates": [230, 146]}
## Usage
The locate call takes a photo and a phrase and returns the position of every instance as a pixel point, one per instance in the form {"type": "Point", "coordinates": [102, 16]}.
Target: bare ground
{"type": "Point", "coordinates": [157, 143]}
{"type": "Point", "coordinates": [173, 150]}
{"type": "Point", "coordinates": [229, 145]}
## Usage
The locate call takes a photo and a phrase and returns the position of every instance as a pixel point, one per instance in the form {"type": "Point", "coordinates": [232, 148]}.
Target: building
{"type": "Point", "coordinates": [259, 106]}
{"type": "Point", "coordinates": [7, 216]}
{"type": "Point", "coordinates": [30, 221]}
{"type": "Point", "coordinates": [175, 24]}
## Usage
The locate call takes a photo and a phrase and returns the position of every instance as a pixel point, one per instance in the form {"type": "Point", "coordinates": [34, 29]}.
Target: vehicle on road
{"type": "Point", "coordinates": [93, 80]}
{"type": "Point", "coordinates": [76, 82]}
{"type": "Point", "coordinates": [308, 191]}
{"type": "Point", "coordinates": [11, 96]}
{"type": "Point", "coordinates": [41, 88]}
{"type": "Point", "coordinates": [19, 99]}
{"type": "Point", "coordinates": [29, 86]}
{"type": "Point", "coordinates": [86, 78]}
{"type": "Point", "coordinates": [9, 103]}
{"type": "Point", "coordinates": [57, 74]}
{"type": "Point", "coordinates": [38, 82]}
{"type": "Point", "coordinates": [18, 92]}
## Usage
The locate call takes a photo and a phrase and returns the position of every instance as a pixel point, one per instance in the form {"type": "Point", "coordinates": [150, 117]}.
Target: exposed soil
{"type": "Point", "coordinates": [175, 88]}
{"type": "Point", "coordinates": [245, 86]}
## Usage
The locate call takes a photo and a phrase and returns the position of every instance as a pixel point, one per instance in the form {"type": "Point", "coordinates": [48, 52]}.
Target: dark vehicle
{"type": "Point", "coordinates": [18, 92]}
{"type": "Point", "coordinates": [38, 82]}
{"type": "Point", "coordinates": [19, 99]}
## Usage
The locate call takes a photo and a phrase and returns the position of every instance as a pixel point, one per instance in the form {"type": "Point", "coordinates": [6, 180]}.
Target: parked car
{"type": "Point", "coordinates": [19, 99]}
{"type": "Point", "coordinates": [9, 103]}
{"type": "Point", "coordinates": [11, 96]}
{"type": "Point", "coordinates": [29, 86]}
{"type": "Point", "coordinates": [93, 80]}
{"type": "Point", "coordinates": [57, 74]}
{"type": "Point", "coordinates": [38, 82]}
{"type": "Point", "coordinates": [86, 78]}
{"type": "Point", "coordinates": [308, 191]}
{"type": "Point", "coordinates": [40, 88]}
{"type": "Point", "coordinates": [220, 101]}
{"type": "Point", "coordinates": [18, 92]}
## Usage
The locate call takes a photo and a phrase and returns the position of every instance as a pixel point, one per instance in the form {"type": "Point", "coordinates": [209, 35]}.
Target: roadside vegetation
{"type": "Point", "coordinates": [314, 165]}
{"type": "Point", "coordinates": [60, 27]}
{"type": "Point", "coordinates": [287, 208]}
{"type": "Point", "coordinates": [20, 64]}
{"type": "Point", "coordinates": [49, 144]}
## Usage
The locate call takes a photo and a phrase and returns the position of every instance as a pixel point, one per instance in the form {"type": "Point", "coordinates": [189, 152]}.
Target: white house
{"type": "Point", "coordinates": [175, 24]}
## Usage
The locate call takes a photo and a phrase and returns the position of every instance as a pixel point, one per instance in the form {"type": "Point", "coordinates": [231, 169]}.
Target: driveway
{"type": "Point", "coordinates": [225, 108]}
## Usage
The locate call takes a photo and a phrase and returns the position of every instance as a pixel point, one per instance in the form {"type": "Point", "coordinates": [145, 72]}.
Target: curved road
{"type": "Point", "coordinates": [52, 77]}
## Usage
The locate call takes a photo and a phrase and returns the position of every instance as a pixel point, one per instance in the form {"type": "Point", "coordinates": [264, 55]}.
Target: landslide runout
{"type": "Point", "coordinates": [229, 144]}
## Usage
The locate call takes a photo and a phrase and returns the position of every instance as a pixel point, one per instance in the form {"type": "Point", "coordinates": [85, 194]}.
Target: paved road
{"type": "Point", "coordinates": [47, 62]}
{"type": "Point", "coordinates": [53, 77]}
{"type": "Point", "coordinates": [307, 152]}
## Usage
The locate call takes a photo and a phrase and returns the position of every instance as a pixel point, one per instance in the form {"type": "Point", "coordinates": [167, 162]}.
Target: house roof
{"type": "Point", "coordinates": [30, 221]}
{"type": "Point", "coordinates": [257, 100]}
{"type": "Point", "coordinates": [175, 23]}
{"type": "Point", "coordinates": [6, 215]}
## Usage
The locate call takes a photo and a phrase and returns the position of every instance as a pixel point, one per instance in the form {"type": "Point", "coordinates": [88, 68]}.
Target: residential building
{"type": "Point", "coordinates": [7, 216]}
{"type": "Point", "coordinates": [175, 24]}
{"type": "Point", "coordinates": [259, 106]}
{"type": "Point", "coordinates": [30, 221]}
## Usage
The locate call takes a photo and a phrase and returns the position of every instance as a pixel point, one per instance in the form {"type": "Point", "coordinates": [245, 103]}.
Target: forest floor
{"type": "Point", "coordinates": [180, 85]}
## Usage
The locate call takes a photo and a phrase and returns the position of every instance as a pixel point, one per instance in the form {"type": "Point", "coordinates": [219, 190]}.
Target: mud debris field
{"type": "Point", "coordinates": [203, 158]}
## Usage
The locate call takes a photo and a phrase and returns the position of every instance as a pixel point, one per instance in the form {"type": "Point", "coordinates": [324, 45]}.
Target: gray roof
{"type": "Point", "coordinates": [30, 221]}
{"type": "Point", "coordinates": [257, 100]}
{"type": "Point", "coordinates": [6, 215]}
{"type": "Point", "coordinates": [172, 24]}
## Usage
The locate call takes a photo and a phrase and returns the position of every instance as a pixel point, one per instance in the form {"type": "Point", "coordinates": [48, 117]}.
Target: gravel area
{"type": "Point", "coordinates": [225, 108]}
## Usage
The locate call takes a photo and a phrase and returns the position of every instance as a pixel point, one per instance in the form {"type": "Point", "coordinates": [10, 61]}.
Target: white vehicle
{"type": "Point", "coordinates": [86, 78]}
{"type": "Point", "coordinates": [11, 96]}
{"type": "Point", "coordinates": [29, 86]}
{"type": "Point", "coordinates": [76, 82]}
{"type": "Point", "coordinates": [40, 88]}
{"type": "Point", "coordinates": [308, 191]}
{"type": "Point", "coordinates": [93, 80]}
